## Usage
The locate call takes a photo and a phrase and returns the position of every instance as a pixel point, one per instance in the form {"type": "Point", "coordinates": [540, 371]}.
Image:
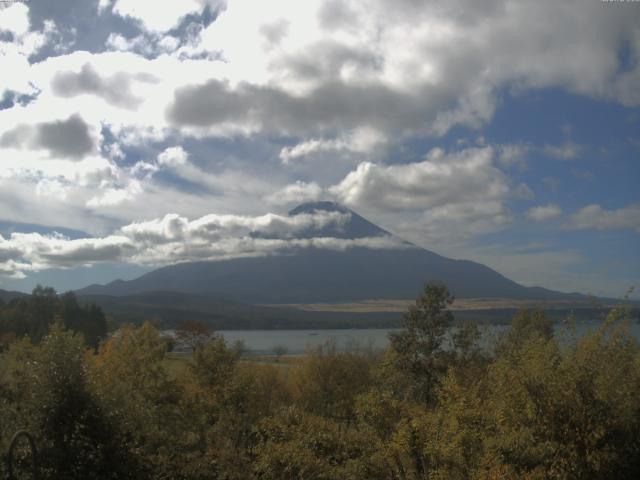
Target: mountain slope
{"type": "Point", "coordinates": [355, 227]}
{"type": "Point", "coordinates": [7, 295]}
{"type": "Point", "coordinates": [322, 275]}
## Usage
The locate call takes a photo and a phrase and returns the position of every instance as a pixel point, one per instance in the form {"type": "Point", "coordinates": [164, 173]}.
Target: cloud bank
{"type": "Point", "coordinates": [116, 111]}
{"type": "Point", "coordinates": [595, 217]}
{"type": "Point", "coordinates": [174, 239]}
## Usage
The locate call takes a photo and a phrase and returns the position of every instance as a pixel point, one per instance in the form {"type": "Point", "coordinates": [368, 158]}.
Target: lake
{"type": "Point", "coordinates": [297, 342]}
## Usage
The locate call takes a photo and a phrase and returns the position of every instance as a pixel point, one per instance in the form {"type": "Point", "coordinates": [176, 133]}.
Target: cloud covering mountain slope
{"type": "Point", "coordinates": [310, 273]}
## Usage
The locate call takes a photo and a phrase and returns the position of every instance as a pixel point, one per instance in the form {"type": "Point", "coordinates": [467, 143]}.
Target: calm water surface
{"type": "Point", "coordinates": [297, 342]}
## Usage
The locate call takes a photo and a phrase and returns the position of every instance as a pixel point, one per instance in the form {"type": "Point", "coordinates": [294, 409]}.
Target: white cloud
{"type": "Point", "coordinates": [113, 196]}
{"type": "Point", "coordinates": [336, 79]}
{"type": "Point", "coordinates": [15, 18]}
{"type": "Point", "coordinates": [542, 213]}
{"type": "Point", "coordinates": [144, 169]}
{"type": "Point", "coordinates": [149, 44]}
{"type": "Point", "coordinates": [361, 140]}
{"type": "Point", "coordinates": [174, 239]}
{"type": "Point", "coordinates": [158, 17]}
{"type": "Point", "coordinates": [595, 217]}
{"type": "Point", "coordinates": [115, 41]}
{"type": "Point", "coordinates": [463, 178]}
{"type": "Point", "coordinates": [524, 192]}
{"type": "Point", "coordinates": [446, 198]}
{"type": "Point", "coordinates": [15, 52]}
{"type": "Point", "coordinates": [214, 227]}
{"type": "Point", "coordinates": [52, 188]}
{"type": "Point", "coordinates": [295, 193]}
{"type": "Point", "coordinates": [104, 5]}
{"type": "Point", "coordinates": [567, 151]}
{"type": "Point", "coordinates": [48, 141]}
{"type": "Point", "coordinates": [34, 251]}
{"type": "Point", "coordinates": [327, 73]}
{"type": "Point", "coordinates": [173, 157]}
{"type": "Point", "coordinates": [338, 82]}
{"type": "Point", "coordinates": [329, 67]}
{"type": "Point", "coordinates": [513, 154]}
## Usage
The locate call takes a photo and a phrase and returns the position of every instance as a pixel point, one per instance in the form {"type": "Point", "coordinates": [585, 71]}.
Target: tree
{"type": "Point", "coordinates": [131, 382]}
{"type": "Point", "coordinates": [297, 445]}
{"type": "Point", "coordinates": [417, 349]}
{"type": "Point", "coordinates": [328, 382]}
{"type": "Point", "coordinates": [88, 320]}
{"type": "Point", "coordinates": [193, 334]}
{"type": "Point", "coordinates": [33, 315]}
{"type": "Point", "coordinates": [567, 411]}
{"type": "Point", "coordinates": [525, 326]}
{"type": "Point", "coordinates": [465, 340]}
{"type": "Point", "coordinates": [239, 348]}
{"type": "Point", "coordinates": [54, 402]}
{"type": "Point", "coordinates": [213, 362]}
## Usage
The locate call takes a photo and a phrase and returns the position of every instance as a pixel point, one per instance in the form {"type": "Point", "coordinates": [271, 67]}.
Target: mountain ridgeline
{"type": "Point", "coordinates": [311, 275]}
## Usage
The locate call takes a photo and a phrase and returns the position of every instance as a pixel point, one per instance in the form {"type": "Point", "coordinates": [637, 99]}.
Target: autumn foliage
{"type": "Point", "coordinates": [530, 405]}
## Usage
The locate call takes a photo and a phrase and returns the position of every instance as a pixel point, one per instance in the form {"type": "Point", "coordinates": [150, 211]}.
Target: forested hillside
{"type": "Point", "coordinates": [32, 315]}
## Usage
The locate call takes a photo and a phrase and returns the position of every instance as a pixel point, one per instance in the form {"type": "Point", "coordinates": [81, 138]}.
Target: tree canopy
{"type": "Point", "coordinates": [32, 316]}
{"type": "Point", "coordinates": [439, 403]}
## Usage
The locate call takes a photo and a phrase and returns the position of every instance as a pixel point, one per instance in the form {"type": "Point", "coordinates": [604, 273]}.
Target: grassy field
{"type": "Point", "coordinates": [176, 364]}
{"type": "Point", "coordinates": [462, 304]}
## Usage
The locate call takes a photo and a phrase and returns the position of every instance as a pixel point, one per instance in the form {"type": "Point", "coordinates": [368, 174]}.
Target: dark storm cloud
{"type": "Point", "coordinates": [116, 89]}
{"type": "Point", "coordinates": [328, 59]}
{"type": "Point", "coordinates": [334, 105]}
{"type": "Point", "coordinates": [65, 138]}
{"type": "Point", "coordinates": [16, 137]}
{"type": "Point", "coordinates": [336, 14]}
{"type": "Point", "coordinates": [85, 251]}
{"type": "Point", "coordinates": [68, 138]}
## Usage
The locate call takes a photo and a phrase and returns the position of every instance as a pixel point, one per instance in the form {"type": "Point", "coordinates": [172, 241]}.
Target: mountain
{"type": "Point", "coordinates": [355, 227]}
{"type": "Point", "coordinates": [312, 275]}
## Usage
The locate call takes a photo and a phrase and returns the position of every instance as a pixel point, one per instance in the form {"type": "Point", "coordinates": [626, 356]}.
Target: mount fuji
{"type": "Point", "coordinates": [313, 275]}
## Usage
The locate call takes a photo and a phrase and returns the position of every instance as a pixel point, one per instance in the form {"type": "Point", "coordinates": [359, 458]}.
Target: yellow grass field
{"type": "Point", "coordinates": [387, 305]}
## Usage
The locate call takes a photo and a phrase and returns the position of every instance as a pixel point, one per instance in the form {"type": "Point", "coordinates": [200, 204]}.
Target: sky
{"type": "Point", "coordinates": [135, 134]}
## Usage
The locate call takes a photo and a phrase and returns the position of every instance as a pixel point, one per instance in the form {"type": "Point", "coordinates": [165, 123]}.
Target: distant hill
{"type": "Point", "coordinates": [7, 295]}
{"type": "Point", "coordinates": [170, 309]}
{"type": "Point", "coordinates": [320, 275]}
